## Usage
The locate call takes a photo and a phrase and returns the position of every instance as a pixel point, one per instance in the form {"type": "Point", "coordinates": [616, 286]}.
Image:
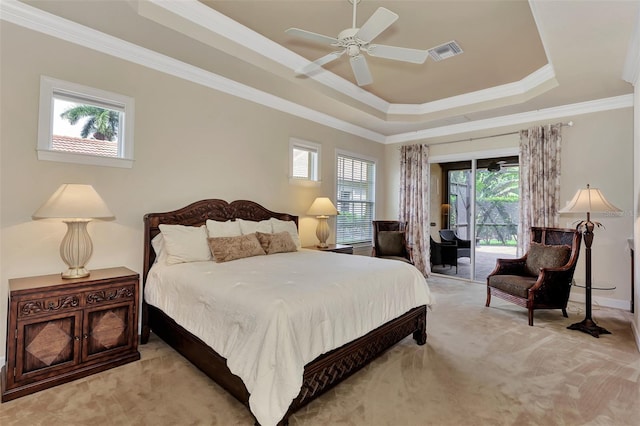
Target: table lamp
{"type": "Point", "coordinates": [76, 204]}
{"type": "Point", "coordinates": [322, 208]}
{"type": "Point", "coordinates": [587, 201]}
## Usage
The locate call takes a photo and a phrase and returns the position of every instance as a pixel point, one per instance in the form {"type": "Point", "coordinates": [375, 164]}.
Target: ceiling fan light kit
{"type": "Point", "coordinates": [354, 41]}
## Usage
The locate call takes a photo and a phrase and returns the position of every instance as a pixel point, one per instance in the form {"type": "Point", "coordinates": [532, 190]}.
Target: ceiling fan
{"type": "Point", "coordinates": [354, 41]}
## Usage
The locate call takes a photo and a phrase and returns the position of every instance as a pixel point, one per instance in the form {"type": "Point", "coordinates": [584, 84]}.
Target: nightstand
{"type": "Point", "coordinates": [62, 329]}
{"type": "Point", "coordinates": [335, 248]}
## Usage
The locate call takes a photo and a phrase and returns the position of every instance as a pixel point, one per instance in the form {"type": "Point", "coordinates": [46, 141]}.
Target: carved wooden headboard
{"type": "Point", "coordinates": [196, 214]}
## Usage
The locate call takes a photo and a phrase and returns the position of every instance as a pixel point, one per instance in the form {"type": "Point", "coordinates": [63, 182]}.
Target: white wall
{"type": "Point", "coordinates": [191, 143]}
{"type": "Point", "coordinates": [597, 150]}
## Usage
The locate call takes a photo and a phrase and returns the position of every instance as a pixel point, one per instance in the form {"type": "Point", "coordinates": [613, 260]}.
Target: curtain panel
{"type": "Point", "coordinates": [539, 180]}
{"type": "Point", "coordinates": [414, 202]}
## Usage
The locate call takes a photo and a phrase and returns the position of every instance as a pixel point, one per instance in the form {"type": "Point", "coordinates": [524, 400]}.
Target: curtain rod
{"type": "Point", "coordinates": [568, 124]}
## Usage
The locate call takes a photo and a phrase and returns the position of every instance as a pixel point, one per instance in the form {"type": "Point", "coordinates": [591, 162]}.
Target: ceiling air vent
{"type": "Point", "coordinates": [445, 51]}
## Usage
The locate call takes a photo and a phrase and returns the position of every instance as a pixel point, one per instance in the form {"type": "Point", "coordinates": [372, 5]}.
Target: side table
{"type": "Point", "coordinates": [335, 248]}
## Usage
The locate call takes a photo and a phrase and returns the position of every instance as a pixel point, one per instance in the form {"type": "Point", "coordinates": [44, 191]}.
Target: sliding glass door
{"type": "Point", "coordinates": [480, 214]}
{"type": "Point", "coordinates": [497, 214]}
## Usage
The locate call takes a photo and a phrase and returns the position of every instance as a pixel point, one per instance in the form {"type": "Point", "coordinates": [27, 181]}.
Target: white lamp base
{"type": "Point", "coordinates": [76, 248]}
{"type": "Point", "coordinates": [322, 231]}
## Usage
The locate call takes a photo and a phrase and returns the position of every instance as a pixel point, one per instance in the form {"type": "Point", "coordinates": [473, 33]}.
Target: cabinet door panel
{"type": "Point", "coordinates": [47, 344]}
{"type": "Point", "coordinates": [107, 330]}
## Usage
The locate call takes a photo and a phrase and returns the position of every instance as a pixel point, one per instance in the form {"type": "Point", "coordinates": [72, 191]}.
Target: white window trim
{"type": "Point", "coordinates": [50, 85]}
{"type": "Point", "coordinates": [295, 142]}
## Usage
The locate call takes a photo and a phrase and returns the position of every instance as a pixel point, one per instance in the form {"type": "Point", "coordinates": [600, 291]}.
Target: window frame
{"type": "Point", "coordinates": [314, 175]}
{"type": "Point", "coordinates": [372, 189]}
{"type": "Point", "coordinates": [51, 88]}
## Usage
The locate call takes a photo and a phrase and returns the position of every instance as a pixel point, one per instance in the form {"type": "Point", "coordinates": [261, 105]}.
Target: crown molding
{"type": "Point", "coordinates": [38, 20]}
{"type": "Point", "coordinates": [222, 25]}
{"type": "Point", "coordinates": [517, 88]}
{"type": "Point", "coordinates": [616, 102]}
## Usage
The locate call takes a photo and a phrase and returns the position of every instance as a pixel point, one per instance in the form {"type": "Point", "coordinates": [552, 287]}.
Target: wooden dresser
{"type": "Point", "coordinates": [63, 329]}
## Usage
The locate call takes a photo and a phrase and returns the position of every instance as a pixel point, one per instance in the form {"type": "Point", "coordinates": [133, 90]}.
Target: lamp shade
{"type": "Point", "coordinates": [589, 200]}
{"type": "Point", "coordinates": [322, 206]}
{"type": "Point", "coordinates": [74, 201]}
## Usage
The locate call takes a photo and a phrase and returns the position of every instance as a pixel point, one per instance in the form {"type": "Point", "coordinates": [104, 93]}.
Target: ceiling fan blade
{"type": "Point", "coordinates": [398, 53]}
{"type": "Point", "coordinates": [319, 38]}
{"type": "Point", "coordinates": [318, 63]}
{"type": "Point", "coordinates": [361, 70]}
{"type": "Point", "coordinates": [377, 23]}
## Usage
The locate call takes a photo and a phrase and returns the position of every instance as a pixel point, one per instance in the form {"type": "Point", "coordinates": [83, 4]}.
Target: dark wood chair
{"type": "Point", "coordinates": [542, 278]}
{"type": "Point", "coordinates": [390, 240]}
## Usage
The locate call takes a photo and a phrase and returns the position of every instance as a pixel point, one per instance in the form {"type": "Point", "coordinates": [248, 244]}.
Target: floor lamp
{"type": "Point", "coordinates": [588, 201]}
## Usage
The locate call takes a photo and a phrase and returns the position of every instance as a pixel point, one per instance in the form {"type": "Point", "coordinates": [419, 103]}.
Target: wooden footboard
{"type": "Point", "coordinates": [320, 374]}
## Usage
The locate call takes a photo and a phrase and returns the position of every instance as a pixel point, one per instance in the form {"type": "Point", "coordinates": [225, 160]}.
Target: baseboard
{"type": "Point", "coordinates": [636, 334]}
{"type": "Point", "coordinates": [625, 305]}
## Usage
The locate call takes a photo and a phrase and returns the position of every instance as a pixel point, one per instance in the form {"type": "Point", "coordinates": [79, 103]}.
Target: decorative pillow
{"type": "Point", "coordinates": [251, 227]}
{"type": "Point", "coordinates": [223, 229]}
{"type": "Point", "coordinates": [391, 243]}
{"type": "Point", "coordinates": [289, 226]}
{"type": "Point", "coordinates": [185, 243]}
{"type": "Point", "coordinates": [280, 242]}
{"type": "Point", "coordinates": [544, 256]}
{"type": "Point", "coordinates": [225, 249]}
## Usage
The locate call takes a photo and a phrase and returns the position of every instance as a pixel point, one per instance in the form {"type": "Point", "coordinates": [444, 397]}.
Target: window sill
{"type": "Point", "coordinates": [68, 157]}
{"type": "Point", "coordinates": [305, 182]}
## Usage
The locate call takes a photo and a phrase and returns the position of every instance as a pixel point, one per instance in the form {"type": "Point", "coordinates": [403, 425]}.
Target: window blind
{"type": "Point", "coordinates": [355, 199]}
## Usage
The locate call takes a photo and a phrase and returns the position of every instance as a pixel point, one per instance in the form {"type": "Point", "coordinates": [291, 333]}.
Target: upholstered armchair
{"type": "Point", "coordinates": [542, 278]}
{"type": "Point", "coordinates": [448, 236]}
{"type": "Point", "coordinates": [390, 240]}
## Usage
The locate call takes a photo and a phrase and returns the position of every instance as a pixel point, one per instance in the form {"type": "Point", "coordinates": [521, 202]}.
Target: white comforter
{"type": "Point", "coordinates": [271, 315]}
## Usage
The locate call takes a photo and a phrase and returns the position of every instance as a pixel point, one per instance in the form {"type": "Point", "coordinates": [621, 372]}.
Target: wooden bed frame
{"type": "Point", "coordinates": [320, 374]}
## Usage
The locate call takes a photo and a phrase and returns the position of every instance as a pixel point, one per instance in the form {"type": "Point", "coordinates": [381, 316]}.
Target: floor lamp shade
{"type": "Point", "coordinates": [589, 200]}
{"type": "Point", "coordinates": [76, 205]}
{"type": "Point", "coordinates": [322, 208]}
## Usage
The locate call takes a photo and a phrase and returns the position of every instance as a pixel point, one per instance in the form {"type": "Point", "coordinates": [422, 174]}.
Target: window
{"type": "Point", "coordinates": [355, 198]}
{"type": "Point", "coordinates": [304, 164]}
{"type": "Point", "coordinates": [80, 124]}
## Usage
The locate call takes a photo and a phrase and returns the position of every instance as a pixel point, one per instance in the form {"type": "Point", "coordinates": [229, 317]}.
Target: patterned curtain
{"type": "Point", "coordinates": [539, 180]}
{"type": "Point", "coordinates": [414, 202]}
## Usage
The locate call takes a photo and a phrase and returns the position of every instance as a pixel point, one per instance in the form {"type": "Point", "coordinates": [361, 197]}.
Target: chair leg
{"type": "Point", "coordinates": [531, 317]}
{"type": "Point", "coordinates": [564, 313]}
{"type": "Point", "coordinates": [488, 297]}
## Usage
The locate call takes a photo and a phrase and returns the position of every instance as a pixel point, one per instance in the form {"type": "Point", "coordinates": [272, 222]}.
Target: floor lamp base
{"type": "Point", "coordinates": [589, 326]}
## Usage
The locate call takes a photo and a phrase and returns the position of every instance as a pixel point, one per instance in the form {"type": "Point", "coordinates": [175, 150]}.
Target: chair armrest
{"type": "Point", "coordinates": [553, 275]}
{"type": "Point", "coordinates": [509, 267]}
{"type": "Point", "coordinates": [448, 243]}
{"type": "Point", "coordinates": [463, 243]}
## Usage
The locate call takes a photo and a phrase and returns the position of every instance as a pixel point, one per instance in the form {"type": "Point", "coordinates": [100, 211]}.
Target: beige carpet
{"type": "Point", "coordinates": [480, 366]}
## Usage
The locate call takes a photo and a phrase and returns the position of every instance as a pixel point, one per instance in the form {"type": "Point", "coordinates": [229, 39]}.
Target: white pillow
{"type": "Point", "coordinates": [185, 243]}
{"type": "Point", "coordinates": [158, 247]}
{"type": "Point", "coordinates": [223, 229]}
{"type": "Point", "coordinates": [286, 225]}
{"type": "Point", "coordinates": [251, 227]}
